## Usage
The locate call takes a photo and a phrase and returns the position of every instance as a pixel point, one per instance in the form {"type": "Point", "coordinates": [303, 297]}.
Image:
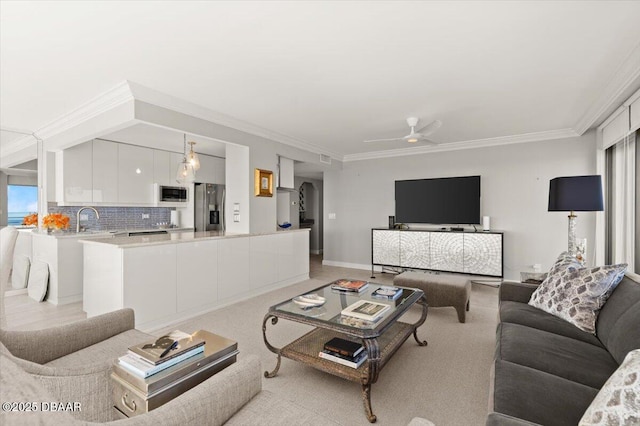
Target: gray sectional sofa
{"type": "Point", "coordinates": [546, 370]}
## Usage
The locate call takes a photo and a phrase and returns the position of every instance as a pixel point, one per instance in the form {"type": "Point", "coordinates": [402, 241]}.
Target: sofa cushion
{"type": "Point", "coordinates": [618, 320]}
{"type": "Point", "coordinates": [538, 397]}
{"type": "Point", "coordinates": [618, 402]}
{"type": "Point", "coordinates": [554, 354]}
{"type": "Point", "coordinates": [578, 296]}
{"type": "Point", "coordinates": [521, 313]}
{"type": "Point", "coordinates": [269, 409]}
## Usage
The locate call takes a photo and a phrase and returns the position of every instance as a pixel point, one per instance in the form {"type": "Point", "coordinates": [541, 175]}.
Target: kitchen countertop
{"type": "Point", "coordinates": [176, 238]}
{"type": "Point", "coordinates": [101, 234]}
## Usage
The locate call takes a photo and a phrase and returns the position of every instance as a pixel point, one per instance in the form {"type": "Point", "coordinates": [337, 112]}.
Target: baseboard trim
{"type": "Point", "coordinates": [351, 265]}
{"type": "Point", "coordinates": [15, 292]}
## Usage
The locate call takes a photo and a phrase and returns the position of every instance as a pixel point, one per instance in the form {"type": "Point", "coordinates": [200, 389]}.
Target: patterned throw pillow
{"type": "Point", "coordinates": [618, 402]}
{"type": "Point", "coordinates": [576, 295]}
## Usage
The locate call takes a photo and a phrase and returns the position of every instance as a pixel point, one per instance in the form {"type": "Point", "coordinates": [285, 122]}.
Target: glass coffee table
{"type": "Point", "coordinates": [380, 339]}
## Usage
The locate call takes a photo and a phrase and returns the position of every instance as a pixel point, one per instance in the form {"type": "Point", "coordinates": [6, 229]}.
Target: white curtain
{"type": "Point", "coordinates": [621, 204]}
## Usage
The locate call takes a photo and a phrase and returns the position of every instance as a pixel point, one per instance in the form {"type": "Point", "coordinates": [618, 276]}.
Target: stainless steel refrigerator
{"type": "Point", "coordinates": [209, 207]}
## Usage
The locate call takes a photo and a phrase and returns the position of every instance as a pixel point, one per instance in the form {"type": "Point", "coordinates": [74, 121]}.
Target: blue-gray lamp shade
{"type": "Point", "coordinates": [576, 193]}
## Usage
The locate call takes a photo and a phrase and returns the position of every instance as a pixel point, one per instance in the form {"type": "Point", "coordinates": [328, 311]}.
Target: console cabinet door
{"type": "Point", "coordinates": [446, 251]}
{"type": "Point", "coordinates": [483, 254]}
{"type": "Point", "coordinates": [386, 247]}
{"type": "Point", "coordinates": [414, 250]}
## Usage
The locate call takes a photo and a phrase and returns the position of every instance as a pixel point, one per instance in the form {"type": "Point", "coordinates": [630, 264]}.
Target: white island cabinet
{"type": "Point", "coordinates": [168, 278]}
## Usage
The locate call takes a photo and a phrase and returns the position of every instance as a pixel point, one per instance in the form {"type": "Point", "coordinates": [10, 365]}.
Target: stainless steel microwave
{"type": "Point", "coordinates": [172, 194]}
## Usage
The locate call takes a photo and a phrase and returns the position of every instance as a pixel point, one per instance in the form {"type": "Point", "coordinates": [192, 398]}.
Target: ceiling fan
{"type": "Point", "coordinates": [413, 137]}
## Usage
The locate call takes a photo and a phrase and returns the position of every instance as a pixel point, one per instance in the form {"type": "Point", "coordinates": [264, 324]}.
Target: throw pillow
{"type": "Point", "coordinates": [576, 295]}
{"type": "Point", "coordinates": [618, 402]}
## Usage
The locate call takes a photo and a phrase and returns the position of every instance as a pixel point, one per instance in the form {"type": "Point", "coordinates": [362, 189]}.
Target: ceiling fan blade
{"type": "Point", "coordinates": [430, 128]}
{"type": "Point", "coordinates": [383, 140]}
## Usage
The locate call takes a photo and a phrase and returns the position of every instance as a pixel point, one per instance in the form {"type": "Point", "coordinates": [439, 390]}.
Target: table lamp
{"type": "Point", "coordinates": [575, 194]}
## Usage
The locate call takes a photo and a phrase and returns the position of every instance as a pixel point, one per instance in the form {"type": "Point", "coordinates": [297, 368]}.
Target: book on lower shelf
{"type": "Point", "coordinates": [353, 362]}
{"type": "Point", "coordinates": [367, 310]}
{"type": "Point", "coordinates": [343, 347]}
{"type": "Point", "coordinates": [166, 347]}
{"type": "Point", "coordinates": [349, 285]}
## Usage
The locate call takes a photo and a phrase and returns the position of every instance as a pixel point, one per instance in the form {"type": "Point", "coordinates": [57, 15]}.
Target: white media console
{"type": "Point", "coordinates": [477, 253]}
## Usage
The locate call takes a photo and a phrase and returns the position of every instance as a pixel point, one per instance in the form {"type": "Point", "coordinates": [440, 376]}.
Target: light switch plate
{"type": "Point", "coordinates": [236, 218]}
{"type": "Point", "coordinates": [332, 215]}
{"type": "Point", "coordinates": [145, 215]}
{"type": "Point", "coordinates": [236, 207]}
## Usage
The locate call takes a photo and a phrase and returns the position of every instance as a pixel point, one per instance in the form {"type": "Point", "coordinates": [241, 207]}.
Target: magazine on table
{"type": "Point", "coordinates": [366, 309]}
{"type": "Point", "coordinates": [354, 286]}
{"type": "Point", "coordinates": [387, 293]}
{"type": "Point", "coordinates": [166, 347]}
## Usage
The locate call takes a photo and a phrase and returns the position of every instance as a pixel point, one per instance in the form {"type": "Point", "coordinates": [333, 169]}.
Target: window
{"type": "Point", "coordinates": [21, 201]}
{"type": "Point", "coordinates": [622, 162]}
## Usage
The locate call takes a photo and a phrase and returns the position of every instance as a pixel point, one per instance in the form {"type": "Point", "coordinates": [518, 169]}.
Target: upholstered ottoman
{"type": "Point", "coordinates": [440, 289]}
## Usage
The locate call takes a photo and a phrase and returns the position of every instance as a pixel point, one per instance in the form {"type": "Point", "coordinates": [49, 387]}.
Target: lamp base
{"type": "Point", "coordinates": [572, 233]}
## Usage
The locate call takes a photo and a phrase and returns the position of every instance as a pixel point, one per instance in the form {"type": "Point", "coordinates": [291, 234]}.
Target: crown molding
{"type": "Point", "coordinates": [470, 144]}
{"type": "Point", "coordinates": [100, 104]}
{"type": "Point", "coordinates": [627, 74]}
{"type": "Point", "coordinates": [160, 99]}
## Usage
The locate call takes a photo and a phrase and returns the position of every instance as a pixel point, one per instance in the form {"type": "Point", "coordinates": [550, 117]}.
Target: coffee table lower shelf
{"type": "Point", "coordinates": [306, 349]}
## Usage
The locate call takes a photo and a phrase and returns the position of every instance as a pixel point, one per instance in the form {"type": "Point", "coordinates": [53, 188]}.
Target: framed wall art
{"type": "Point", "coordinates": [263, 183]}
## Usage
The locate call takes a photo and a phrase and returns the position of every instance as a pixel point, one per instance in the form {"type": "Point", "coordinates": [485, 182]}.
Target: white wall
{"type": "Point", "coordinates": [236, 185]}
{"type": "Point", "coordinates": [514, 193]}
{"type": "Point", "coordinates": [3, 200]}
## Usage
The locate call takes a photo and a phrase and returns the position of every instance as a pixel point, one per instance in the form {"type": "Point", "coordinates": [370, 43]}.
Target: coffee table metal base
{"type": "Point", "coordinates": [380, 350]}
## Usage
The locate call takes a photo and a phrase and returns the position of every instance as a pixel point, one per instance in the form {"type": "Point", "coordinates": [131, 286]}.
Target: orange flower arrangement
{"type": "Point", "coordinates": [55, 221]}
{"type": "Point", "coordinates": [30, 219]}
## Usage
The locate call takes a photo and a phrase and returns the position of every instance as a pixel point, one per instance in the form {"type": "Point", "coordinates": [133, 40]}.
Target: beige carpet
{"type": "Point", "coordinates": [446, 382]}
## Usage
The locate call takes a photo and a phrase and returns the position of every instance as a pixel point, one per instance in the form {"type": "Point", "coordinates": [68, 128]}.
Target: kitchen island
{"type": "Point", "coordinates": [167, 278]}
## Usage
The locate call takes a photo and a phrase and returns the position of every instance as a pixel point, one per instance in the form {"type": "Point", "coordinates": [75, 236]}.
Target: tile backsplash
{"type": "Point", "coordinates": [116, 218]}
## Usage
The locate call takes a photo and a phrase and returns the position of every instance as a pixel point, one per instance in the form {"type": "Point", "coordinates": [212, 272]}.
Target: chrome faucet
{"type": "Point", "coordinates": [78, 216]}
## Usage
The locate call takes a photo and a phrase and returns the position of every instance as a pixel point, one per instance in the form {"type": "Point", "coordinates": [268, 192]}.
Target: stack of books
{"type": "Point", "coordinates": [153, 373]}
{"type": "Point", "coordinates": [348, 285]}
{"type": "Point", "coordinates": [344, 352]}
{"type": "Point", "coordinates": [147, 359]}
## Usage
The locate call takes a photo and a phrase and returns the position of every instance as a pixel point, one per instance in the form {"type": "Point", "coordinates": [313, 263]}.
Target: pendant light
{"type": "Point", "coordinates": [185, 174]}
{"type": "Point", "coordinates": [193, 158]}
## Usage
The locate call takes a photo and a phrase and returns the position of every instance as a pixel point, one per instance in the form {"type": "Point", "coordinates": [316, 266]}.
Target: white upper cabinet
{"type": "Point", "coordinates": [105, 171]}
{"type": "Point", "coordinates": [285, 173]}
{"type": "Point", "coordinates": [162, 170]}
{"type": "Point", "coordinates": [211, 169]}
{"type": "Point", "coordinates": [135, 175]}
{"type": "Point", "coordinates": [74, 174]}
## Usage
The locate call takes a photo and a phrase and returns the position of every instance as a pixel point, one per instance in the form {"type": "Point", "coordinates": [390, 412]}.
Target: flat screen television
{"type": "Point", "coordinates": [453, 200]}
